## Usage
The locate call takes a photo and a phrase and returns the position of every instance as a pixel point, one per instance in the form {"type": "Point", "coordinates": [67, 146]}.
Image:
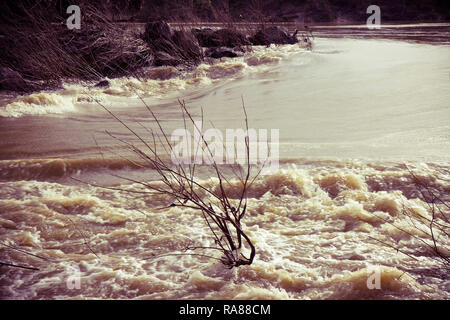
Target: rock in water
{"type": "Point", "coordinates": [206, 37]}
{"type": "Point", "coordinates": [275, 35]}
{"type": "Point", "coordinates": [165, 59]}
{"type": "Point", "coordinates": [171, 48]}
{"type": "Point", "coordinates": [157, 30]}
{"type": "Point", "coordinates": [231, 38]}
{"type": "Point", "coordinates": [221, 52]}
{"type": "Point", "coordinates": [12, 80]}
{"type": "Point", "coordinates": [209, 38]}
{"type": "Point", "coordinates": [188, 45]}
{"type": "Point", "coordinates": [102, 84]}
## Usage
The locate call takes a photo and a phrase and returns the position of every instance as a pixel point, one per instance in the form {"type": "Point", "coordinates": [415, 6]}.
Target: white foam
{"type": "Point", "coordinates": [38, 104]}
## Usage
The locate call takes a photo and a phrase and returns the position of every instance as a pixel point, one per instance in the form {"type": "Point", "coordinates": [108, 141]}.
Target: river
{"type": "Point", "coordinates": [354, 115]}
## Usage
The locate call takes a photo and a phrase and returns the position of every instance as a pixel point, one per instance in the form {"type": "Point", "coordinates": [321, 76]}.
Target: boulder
{"type": "Point", "coordinates": [220, 38]}
{"type": "Point", "coordinates": [188, 45]}
{"type": "Point", "coordinates": [275, 35]}
{"type": "Point", "coordinates": [171, 48]}
{"type": "Point", "coordinates": [157, 30]}
{"type": "Point", "coordinates": [231, 38]}
{"type": "Point", "coordinates": [11, 80]}
{"type": "Point", "coordinates": [221, 52]}
{"type": "Point", "coordinates": [163, 58]}
{"type": "Point", "coordinates": [102, 84]}
{"type": "Point", "coordinates": [206, 37]}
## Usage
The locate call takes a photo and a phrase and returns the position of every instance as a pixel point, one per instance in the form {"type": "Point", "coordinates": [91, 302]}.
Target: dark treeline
{"type": "Point", "coordinates": [293, 10]}
{"type": "Point", "coordinates": [309, 11]}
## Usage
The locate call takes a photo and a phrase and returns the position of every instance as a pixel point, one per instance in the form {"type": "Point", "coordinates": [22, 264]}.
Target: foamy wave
{"type": "Point", "coordinates": [313, 228]}
{"type": "Point", "coordinates": [37, 104]}
{"type": "Point", "coordinates": [392, 282]}
{"type": "Point", "coordinates": [42, 169]}
{"type": "Point", "coordinates": [157, 82]}
{"type": "Point", "coordinates": [161, 81]}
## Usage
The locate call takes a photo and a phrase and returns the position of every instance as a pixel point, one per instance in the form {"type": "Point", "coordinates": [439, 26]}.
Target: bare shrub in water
{"type": "Point", "coordinates": [222, 215]}
{"type": "Point", "coordinates": [435, 225]}
{"type": "Point", "coordinates": [430, 228]}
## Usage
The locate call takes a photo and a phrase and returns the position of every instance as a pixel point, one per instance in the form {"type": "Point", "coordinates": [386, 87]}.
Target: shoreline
{"type": "Point", "coordinates": [16, 83]}
{"type": "Point", "coordinates": [103, 49]}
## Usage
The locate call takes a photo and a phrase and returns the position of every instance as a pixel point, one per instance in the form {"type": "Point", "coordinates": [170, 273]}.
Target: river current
{"type": "Point", "coordinates": [356, 115]}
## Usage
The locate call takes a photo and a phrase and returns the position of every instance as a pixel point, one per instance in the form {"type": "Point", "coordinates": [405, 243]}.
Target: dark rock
{"type": "Point", "coordinates": [165, 59]}
{"type": "Point", "coordinates": [231, 38]}
{"type": "Point", "coordinates": [221, 52]}
{"type": "Point", "coordinates": [157, 30]}
{"type": "Point", "coordinates": [171, 48]}
{"type": "Point", "coordinates": [220, 38]}
{"type": "Point", "coordinates": [206, 37]}
{"type": "Point", "coordinates": [12, 80]}
{"type": "Point", "coordinates": [188, 45]}
{"type": "Point", "coordinates": [275, 35]}
{"type": "Point", "coordinates": [102, 84]}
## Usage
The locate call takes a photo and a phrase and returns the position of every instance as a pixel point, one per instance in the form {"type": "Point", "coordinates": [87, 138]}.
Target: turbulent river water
{"type": "Point", "coordinates": [355, 116]}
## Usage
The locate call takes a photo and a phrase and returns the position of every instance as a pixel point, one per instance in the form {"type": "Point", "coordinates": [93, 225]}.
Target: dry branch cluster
{"type": "Point", "coordinates": [435, 225]}
{"type": "Point", "coordinates": [429, 229]}
{"type": "Point", "coordinates": [222, 215]}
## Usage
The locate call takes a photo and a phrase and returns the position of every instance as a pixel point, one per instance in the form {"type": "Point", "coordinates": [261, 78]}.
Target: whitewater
{"type": "Point", "coordinates": [355, 117]}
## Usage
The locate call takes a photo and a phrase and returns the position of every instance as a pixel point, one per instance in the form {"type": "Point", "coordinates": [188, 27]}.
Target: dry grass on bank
{"type": "Point", "coordinates": [41, 48]}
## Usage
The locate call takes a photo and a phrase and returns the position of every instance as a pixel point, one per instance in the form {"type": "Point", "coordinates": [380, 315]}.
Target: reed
{"type": "Point", "coordinates": [39, 46]}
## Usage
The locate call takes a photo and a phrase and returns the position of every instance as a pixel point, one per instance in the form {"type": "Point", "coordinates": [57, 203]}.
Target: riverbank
{"type": "Point", "coordinates": [40, 54]}
{"type": "Point", "coordinates": [158, 84]}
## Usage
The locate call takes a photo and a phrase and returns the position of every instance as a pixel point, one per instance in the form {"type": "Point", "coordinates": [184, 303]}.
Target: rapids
{"type": "Point", "coordinates": [355, 115]}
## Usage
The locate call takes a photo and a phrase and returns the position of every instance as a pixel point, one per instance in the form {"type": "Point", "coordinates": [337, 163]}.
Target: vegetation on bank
{"type": "Point", "coordinates": [38, 51]}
